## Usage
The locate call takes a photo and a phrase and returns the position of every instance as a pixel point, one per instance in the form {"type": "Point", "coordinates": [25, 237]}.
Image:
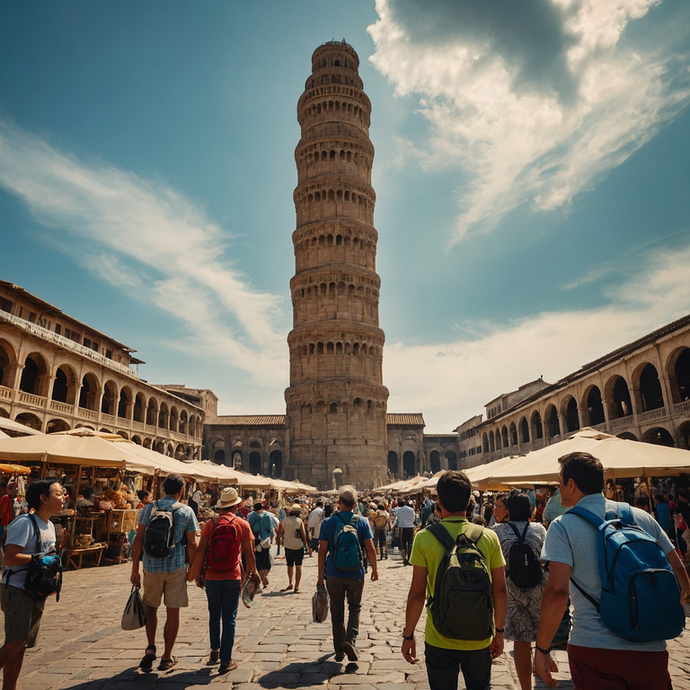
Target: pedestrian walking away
{"type": "Point", "coordinates": [609, 653]}
{"type": "Point", "coordinates": [521, 543]}
{"type": "Point", "coordinates": [314, 524]}
{"type": "Point", "coordinates": [380, 522]}
{"type": "Point", "coordinates": [458, 571]}
{"type": "Point", "coordinates": [293, 536]}
{"type": "Point", "coordinates": [343, 540]}
{"type": "Point", "coordinates": [262, 527]}
{"type": "Point", "coordinates": [26, 536]}
{"type": "Point", "coordinates": [217, 568]}
{"type": "Point", "coordinates": [406, 519]}
{"type": "Point", "coordinates": [165, 527]}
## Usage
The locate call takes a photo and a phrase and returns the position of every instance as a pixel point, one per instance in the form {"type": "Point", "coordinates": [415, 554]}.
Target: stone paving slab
{"type": "Point", "coordinates": [82, 647]}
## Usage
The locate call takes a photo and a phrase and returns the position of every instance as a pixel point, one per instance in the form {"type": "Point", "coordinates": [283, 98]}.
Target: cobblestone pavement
{"type": "Point", "coordinates": [81, 645]}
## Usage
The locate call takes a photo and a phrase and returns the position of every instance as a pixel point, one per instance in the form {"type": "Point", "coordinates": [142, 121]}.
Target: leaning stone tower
{"type": "Point", "coordinates": [336, 402]}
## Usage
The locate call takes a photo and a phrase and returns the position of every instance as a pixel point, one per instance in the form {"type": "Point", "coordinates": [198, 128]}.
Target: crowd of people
{"type": "Point", "coordinates": [530, 563]}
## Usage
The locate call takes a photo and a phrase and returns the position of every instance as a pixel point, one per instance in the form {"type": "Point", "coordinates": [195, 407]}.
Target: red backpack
{"type": "Point", "coordinates": [224, 545]}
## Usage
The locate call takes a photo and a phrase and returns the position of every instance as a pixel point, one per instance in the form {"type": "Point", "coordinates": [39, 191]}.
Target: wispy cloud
{"type": "Point", "coordinates": [538, 109]}
{"type": "Point", "coordinates": [151, 243]}
{"type": "Point", "coordinates": [451, 383]}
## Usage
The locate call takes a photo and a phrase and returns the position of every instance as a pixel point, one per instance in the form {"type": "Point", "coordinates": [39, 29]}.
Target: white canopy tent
{"type": "Point", "coordinates": [620, 458]}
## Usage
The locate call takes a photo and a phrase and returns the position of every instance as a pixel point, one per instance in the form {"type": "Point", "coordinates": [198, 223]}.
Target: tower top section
{"type": "Point", "coordinates": [334, 62]}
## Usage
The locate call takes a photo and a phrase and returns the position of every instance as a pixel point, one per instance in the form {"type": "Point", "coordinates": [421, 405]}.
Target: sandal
{"type": "Point", "coordinates": [167, 664]}
{"type": "Point", "coordinates": [226, 668]}
{"type": "Point", "coordinates": [149, 657]}
{"type": "Point", "coordinates": [296, 591]}
{"type": "Point", "coordinates": [215, 656]}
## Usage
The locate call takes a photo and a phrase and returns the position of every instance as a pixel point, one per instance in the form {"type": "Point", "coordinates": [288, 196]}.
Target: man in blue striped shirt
{"type": "Point", "coordinates": [165, 576]}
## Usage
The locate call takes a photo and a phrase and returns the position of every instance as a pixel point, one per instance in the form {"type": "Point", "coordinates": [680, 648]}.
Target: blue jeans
{"type": "Point", "coordinates": [223, 598]}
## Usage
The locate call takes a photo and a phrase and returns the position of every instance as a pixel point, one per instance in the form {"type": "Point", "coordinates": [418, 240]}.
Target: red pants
{"type": "Point", "coordinates": [616, 669]}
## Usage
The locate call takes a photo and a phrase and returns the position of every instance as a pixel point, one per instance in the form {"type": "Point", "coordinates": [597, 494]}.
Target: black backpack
{"type": "Point", "coordinates": [41, 580]}
{"type": "Point", "coordinates": [159, 536]}
{"type": "Point", "coordinates": [524, 568]}
{"type": "Point", "coordinates": [462, 603]}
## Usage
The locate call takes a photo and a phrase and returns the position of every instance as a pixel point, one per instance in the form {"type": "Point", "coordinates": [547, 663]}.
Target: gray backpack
{"type": "Point", "coordinates": [462, 606]}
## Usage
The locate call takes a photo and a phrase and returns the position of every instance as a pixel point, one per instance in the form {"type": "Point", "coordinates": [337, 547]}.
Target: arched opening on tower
{"type": "Point", "coordinates": [276, 462]}
{"type": "Point", "coordinates": [452, 459]}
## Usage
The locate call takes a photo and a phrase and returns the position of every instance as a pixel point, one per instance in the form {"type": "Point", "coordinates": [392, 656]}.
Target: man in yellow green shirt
{"type": "Point", "coordinates": [445, 656]}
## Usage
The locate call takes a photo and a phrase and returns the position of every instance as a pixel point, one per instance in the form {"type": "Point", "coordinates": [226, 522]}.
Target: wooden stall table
{"type": "Point", "coordinates": [78, 552]}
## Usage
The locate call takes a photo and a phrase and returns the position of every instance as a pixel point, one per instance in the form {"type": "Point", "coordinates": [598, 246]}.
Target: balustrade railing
{"type": "Point", "coordinates": [651, 415]}
{"type": "Point", "coordinates": [681, 407]}
{"type": "Point", "coordinates": [5, 393]}
{"type": "Point", "coordinates": [32, 400]}
{"type": "Point", "coordinates": [88, 414]}
{"type": "Point", "coordinates": [68, 344]}
{"type": "Point", "coordinates": [62, 408]}
{"type": "Point", "coordinates": [621, 422]}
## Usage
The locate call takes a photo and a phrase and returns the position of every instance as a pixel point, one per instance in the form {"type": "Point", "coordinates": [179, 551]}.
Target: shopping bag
{"type": "Point", "coordinates": [134, 616]}
{"type": "Point", "coordinates": [319, 605]}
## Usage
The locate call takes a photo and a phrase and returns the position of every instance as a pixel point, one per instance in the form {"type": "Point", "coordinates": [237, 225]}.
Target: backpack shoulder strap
{"type": "Point", "coordinates": [625, 513]}
{"type": "Point", "coordinates": [473, 533]}
{"type": "Point", "coordinates": [37, 532]}
{"type": "Point", "coordinates": [442, 534]}
{"type": "Point", "coordinates": [585, 514]}
{"type": "Point", "coordinates": [520, 537]}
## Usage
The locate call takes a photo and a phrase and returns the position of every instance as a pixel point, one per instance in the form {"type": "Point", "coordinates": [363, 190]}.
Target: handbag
{"type": "Point", "coordinates": [319, 605]}
{"type": "Point", "coordinates": [134, 615]}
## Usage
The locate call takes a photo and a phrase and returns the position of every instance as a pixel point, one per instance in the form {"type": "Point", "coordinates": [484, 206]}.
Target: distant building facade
{"type": "Point", "coordinates": [57, 373]}
{"type": "Point", "coordinates": [640, 391]}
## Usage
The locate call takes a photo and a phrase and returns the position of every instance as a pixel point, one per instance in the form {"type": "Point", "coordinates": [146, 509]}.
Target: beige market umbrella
{"type": "Point", "coordinates": [22, 429]}
{"type": "Point", "coordinates": [87, 451]}
{"type": "Point", "coordinates": [620, 458]}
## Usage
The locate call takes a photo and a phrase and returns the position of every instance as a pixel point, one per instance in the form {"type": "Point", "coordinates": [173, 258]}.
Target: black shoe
{"type": "Point", "coordinates": [339, 657]}
{"type": "Point", "coordinates": [349, 649]}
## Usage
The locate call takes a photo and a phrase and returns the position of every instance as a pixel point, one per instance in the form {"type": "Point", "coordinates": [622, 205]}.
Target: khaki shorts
{"type": "Point", "coordinates": [172, 585]}
{"type": "Point", "coordinates": [22, 614]}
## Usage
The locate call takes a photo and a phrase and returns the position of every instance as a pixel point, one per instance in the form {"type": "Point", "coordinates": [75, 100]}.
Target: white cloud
{"type": "Point", "coordinates": [451, 383]}
{"type": "Point", "coordinates": [526, 137]}
{"type": "Point", "coordinates": [151, 243]}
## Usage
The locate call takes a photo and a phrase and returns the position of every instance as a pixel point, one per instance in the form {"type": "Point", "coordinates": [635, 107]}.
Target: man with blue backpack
{"type": "Point", "coordinates": [628, 587]}
{"type": "Point", "coordinates": [343, 540]}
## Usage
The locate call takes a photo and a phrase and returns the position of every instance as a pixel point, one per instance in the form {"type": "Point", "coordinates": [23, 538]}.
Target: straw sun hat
{"type": "Point", "coordinates": [228, 498]}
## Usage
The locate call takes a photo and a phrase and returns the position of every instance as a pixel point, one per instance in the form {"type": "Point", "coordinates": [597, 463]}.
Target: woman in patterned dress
{"type": "Point", "coordinates": [524, 605]}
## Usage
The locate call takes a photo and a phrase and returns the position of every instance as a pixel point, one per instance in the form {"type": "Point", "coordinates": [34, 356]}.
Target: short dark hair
{"type": "Point", "coordinates": [143, 494]}
{"type": "Point", "coordinates": [258, 506]}
{"type": "Point", "coordinates": [660, 498]}
{"type": "Point", "coordinates": [173, 484]}
{"type": "Point", "coordinates": [585, 470]}
{"type": "Point", "coordinates": [642, 502]}
{"type": "Point", "coordinates": [454, 489]}
{"type": "Point", "coordinates": [519, 506]}
{"type": "Point", "coordinates": [41, 487]}
{"type": "Point", "coordinates": [380, 506]}
{"type": "Point", "coordinates": [319, 503]}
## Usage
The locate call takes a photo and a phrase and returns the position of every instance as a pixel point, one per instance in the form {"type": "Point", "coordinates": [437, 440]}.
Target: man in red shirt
{"type": "Point", "coordinates": [217, 567]}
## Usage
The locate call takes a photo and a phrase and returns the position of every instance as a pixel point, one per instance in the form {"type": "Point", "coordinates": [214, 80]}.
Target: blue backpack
{"type": "Point", "coordinates": [347, 554]}
{"type": "Point", "coordinates": [640, 595]}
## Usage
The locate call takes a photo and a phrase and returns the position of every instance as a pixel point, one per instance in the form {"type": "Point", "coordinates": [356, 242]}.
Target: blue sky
{"type": "Point", "coordinates": [532, 171]}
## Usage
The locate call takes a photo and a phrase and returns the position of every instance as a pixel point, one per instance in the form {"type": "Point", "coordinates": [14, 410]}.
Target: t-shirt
{"type": "Point", "coordinates": [292, 526]}
{"type": "Point", "coordinates": [428, 551]}
{"type": "Point", "coordinates": [573, 541]}
{"type": "Point", "coordinates": [314, 522]}
{"type": "Point", "coordinates": [21, 532]}
{"type": "Point", "coordinates": [328, 530]}
{"type": "Point", "coordinates": [184, 521]}
{"type": "Point", "coordinates": [406, 517]}
{"type": "Point", "coordinates": [244, 534]}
